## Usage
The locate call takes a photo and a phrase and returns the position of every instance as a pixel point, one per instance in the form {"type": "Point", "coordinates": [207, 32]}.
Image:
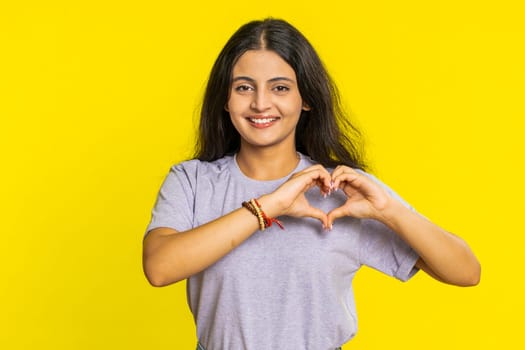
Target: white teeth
{"type": "Point", "coordinates": [263, 120]}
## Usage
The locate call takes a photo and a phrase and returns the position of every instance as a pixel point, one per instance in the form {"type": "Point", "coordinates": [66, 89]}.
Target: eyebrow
{"type": "Point", "coordinates": [270, 81]}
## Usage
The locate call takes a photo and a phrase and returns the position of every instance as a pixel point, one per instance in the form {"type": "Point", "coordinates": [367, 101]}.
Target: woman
{"type": "Point", "coordinates": [275, 215]}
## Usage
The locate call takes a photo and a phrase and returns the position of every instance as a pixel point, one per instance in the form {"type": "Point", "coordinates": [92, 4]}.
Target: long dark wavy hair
{"type": "Point", "coordinates": [324, 133]}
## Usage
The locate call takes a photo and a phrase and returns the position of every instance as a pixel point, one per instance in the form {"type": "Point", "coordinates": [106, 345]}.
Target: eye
{"type": "Point", "coordinates": [243, 88]}
{"type": "Point", "coordinates": [281, 88]}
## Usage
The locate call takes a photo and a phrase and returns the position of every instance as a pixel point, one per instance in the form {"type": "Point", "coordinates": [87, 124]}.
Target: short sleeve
{"type": "Point", "coordinates": [382, 249]}
{"type": "Point", "coordinates": [174, 205]}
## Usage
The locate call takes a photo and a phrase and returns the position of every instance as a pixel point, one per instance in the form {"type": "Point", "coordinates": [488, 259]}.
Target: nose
{"type": "Point", "coordinates": [262, 101]}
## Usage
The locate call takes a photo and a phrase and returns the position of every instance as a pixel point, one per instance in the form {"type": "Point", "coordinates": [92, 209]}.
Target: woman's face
{"type": "Point", "coordinates": [264, 101]}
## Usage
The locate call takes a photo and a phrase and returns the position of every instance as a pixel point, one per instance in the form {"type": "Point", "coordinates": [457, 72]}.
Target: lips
{"type": "Point", "coordinates": [262, 121]}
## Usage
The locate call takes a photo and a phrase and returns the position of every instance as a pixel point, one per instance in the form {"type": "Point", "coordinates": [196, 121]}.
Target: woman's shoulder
{"type": "Point", "coordinates": [201, 167]}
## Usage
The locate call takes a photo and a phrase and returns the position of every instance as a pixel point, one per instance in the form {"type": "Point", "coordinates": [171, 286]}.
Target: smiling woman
{"type": "Point", "coordinates": [265, 103]}
{"type": "Point", "coordinates": [272, 145]}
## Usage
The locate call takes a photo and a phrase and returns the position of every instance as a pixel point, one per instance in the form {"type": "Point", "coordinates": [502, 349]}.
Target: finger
{"type": "Point", "coordinates": [315, 175]}
{"type": "Point", "coordinates": [325, 186]}
{"type": "Point", "coordinates": [325, 178]}
{"type": "Point", "coordinates": [335, 214]}
{"type": "Point", "coordinates": [340, 169]}
{"type": "Point", "coordinates": [312, 179]}
{"type": "Point", "coordinates": [362, 184]}
{"type": "Point", "coordinates": [321, 177]}
{"type": "Point", "coordinates": [346, 176]}
{"type": "Point", "coordinates": [302, 182]}
{"type": "Point", "coordinates": [317, 213]}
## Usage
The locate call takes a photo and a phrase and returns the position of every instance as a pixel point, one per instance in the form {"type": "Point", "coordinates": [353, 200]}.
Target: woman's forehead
{"type": "Point", "coordinates": [262, 65]}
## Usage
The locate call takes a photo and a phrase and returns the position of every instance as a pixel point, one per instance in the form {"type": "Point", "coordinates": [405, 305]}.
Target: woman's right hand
{"type": "Point", "coordinates": [289, 198]}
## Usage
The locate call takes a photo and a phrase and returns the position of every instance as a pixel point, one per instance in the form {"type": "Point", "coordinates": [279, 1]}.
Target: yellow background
{"type": "Point", "coordinates": [98, 99]}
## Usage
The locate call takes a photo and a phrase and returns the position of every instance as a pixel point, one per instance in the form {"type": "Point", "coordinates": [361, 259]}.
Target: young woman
{"type": "Point", "coordinates": [275, 215]}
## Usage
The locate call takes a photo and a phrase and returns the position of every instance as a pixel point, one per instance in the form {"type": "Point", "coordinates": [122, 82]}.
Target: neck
{"type": "Point", "coordinates": [266, 164]}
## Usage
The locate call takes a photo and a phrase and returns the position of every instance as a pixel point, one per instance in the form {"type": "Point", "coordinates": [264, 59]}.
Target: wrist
{"type": "Point", "coordinates": [270, 205]}
{"type": "Point", "coordinates": [392, 212]}
{"type": "Point", "coordinates": [265, 220]}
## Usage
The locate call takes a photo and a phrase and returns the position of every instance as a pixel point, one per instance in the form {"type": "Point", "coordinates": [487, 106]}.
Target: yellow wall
{"type": "Point", "coordinates": [98, 99]}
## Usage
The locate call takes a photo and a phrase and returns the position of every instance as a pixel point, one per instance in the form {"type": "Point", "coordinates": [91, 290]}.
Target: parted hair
{"type": "Point", "coordinates": [324, 132]}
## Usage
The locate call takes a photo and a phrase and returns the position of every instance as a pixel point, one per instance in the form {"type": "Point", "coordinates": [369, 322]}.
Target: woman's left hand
{"type": "Point", "coordinates": [365, 198]}
{"type": "Point", "coordinates": [443, 255]}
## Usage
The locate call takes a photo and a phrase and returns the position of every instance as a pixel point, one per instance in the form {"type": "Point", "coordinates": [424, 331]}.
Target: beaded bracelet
{"type": "Point", "coordinates": [264, 221]}
{"type": "Point", "coordinates": [252, 207]}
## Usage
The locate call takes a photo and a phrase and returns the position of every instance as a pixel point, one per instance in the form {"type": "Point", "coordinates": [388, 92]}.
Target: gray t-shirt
{"type": "Point", "coordinates": [279, 289]}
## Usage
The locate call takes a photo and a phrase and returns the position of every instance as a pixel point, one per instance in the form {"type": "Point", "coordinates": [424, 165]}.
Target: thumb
{"type": "Point", "coordinates": [335, 214]}
{"type": "Point", "coordinates": [317, 213]}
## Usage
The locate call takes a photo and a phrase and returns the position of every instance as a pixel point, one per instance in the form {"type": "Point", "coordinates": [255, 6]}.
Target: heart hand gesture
{"type": "Point", "coordinates": [366, 199]}
{"type": "Point", "coordinates": [290, 199]}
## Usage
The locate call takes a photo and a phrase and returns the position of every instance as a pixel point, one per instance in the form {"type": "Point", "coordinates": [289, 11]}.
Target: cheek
{"type": "Point", "coordinates": [235, 120]}
{"type": "Point", "coordinates": [233, 105]}
{"type": "Point", "coordinates": [295, 103]}
{"type": "Point", "coordinates": [294, 107]}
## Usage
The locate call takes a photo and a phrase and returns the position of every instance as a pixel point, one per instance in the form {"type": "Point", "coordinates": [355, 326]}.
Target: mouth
{"type": "Point", "coordinates": [262, 121]}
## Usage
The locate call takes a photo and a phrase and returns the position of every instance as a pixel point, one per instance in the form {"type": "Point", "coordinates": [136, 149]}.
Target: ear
{"type": "Point", "coordinates": [226, 107]}
{"type": "Point", "coordinates": [306, 107]}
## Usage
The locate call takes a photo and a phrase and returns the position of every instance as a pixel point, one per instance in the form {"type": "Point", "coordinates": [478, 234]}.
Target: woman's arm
{"type": "Point", "coordinates": [443, 255]}
{"type": "Point", "coordinates": [170, 256]}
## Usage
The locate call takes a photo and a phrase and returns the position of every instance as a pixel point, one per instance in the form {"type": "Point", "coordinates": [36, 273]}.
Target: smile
{"type": "Point", "coordinates": [262, 120]}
